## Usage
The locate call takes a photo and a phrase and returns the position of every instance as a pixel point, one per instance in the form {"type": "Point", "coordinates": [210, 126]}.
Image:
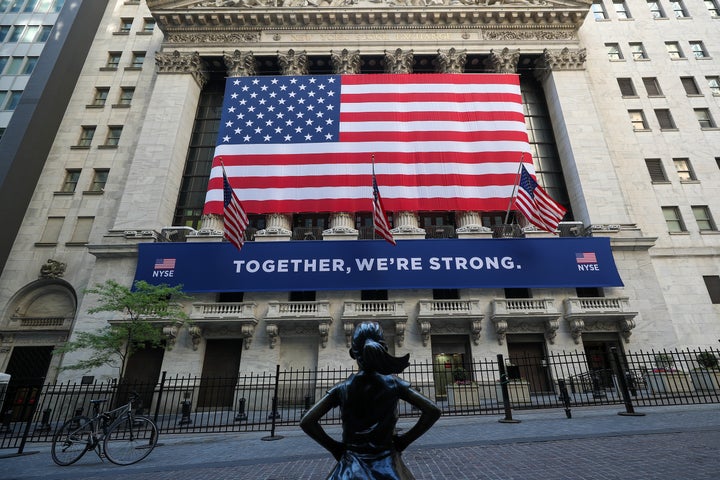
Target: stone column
{"type": "Point", "coordinates": [342, 224]}
{"type": "Point", "coordinates": [600, 199]}
{"type": "Point", "coordinates": [469, 223]}
{"type": "Point", "coordinates": [238, 64]}
{"type": "Point", "coordinates": [503, 62]}
{"type": "Point", "coordinates": [406, 223]}
{"type": "Point", "coordinates": [278, 226]}
{"type": "Point", "coordinates": [161, 151]}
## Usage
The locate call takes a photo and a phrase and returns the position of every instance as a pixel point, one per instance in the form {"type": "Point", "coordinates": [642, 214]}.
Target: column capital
{"type": "Point", "coordinates": [240, 64]}
{"type": "Point", "coordinates": [559, 60]}
{"type": "Point", "coordinates": [345, 62]}
{"type": "Point", "coordinates": [505, 61]}
{"type": "Point", "coordinates": [399, 61]}
{"type": "Point", "coordinates": [450, 61]}
{"type": "Point", "coordinates": [293, 63]}
{"type": "Point", "coordinates": [176, 62]}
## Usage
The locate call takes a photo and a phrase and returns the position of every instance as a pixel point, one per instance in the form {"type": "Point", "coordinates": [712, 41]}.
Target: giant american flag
{"type": "Point", "coordinates": [305, 143]}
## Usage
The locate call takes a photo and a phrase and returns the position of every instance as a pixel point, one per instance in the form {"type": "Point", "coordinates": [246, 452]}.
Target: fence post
{"type": "Point", "coordinates": [274, 414]}
{"type": "Point", "coordinates": [161, 390]}
{"type": "Point", "coordinates": [505, 393]}
{"type": "Point", "coordinates": [622, 381]}
{"type": "Point", "coordinates": [565, 397]}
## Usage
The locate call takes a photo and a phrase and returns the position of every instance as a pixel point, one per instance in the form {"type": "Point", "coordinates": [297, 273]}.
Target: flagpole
{"type": "Point", "coordinates": [512, 197]}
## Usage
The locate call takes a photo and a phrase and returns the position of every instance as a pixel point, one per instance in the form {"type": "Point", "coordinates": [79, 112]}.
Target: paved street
{"type": "Point", "coordinates": [668, 443]}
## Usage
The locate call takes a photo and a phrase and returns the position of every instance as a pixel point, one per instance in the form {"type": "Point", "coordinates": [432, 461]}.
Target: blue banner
{"type": "Point", "coordinates": [377, 265]}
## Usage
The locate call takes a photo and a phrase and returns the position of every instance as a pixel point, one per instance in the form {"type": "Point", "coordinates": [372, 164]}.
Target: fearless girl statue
{"type": "Point", "coordinates": [368, 401]}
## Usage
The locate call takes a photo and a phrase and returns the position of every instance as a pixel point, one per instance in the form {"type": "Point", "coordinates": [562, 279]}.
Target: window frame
{"type": "Point", "coordinates": [638, 121]}
{"type": "Point", "coordinates": [99, 180]}
{"type": "Point", "coordinates": [694, 88]}
{"type": "Point", "coordinates": [665, 119]}
{"type": "Point", "coordinates": [697, 47]}
{"type": "Point", "coordinates": [707, 122]}
{"type": "Point", "coordinates": [654, 85]}
{"type": "Point", "coordinates": [658, 9]}
{"type": "Point", "coordinates": [614, 52]}
{"type": "Point", "coordinates": [112, 138]}
{"type": "Point", "coordinates": [87, 133]}
{"type": "Point", "coordinates": [703, 217]}
{"type": "Point", "coordinates": [713, 82]}
{"type": "Point", "coordinates": [676, 53]}
{"type": "Point", "coordinates": [70, 181]}
{"type": "Point", "coordinates": [100, 98]}
{"type": "Point", "coordinates": [626, 85]}
{"type": "Point", "coordinates": [656, 170]}
{"type": "Point", "coordinates": [684, 170]}
{"type": "Point", "coordinates": [637, 51]}
{"type": "Point", "coordinates": [678, 8]}
{"type": "Point", "coordinates": [676, 219]}
{"type": "Point", "coordinates": [621, 10]}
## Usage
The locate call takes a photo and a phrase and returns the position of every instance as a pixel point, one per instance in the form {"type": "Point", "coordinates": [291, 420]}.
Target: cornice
{"type": "Point", "coordinates": [173, 16]}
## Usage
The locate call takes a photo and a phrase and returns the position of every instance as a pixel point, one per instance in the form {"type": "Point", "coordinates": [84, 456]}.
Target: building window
{"type": "Point", "coordinates": [637, 118]}
{"type": "Point", "coordinates": [703, 218]}
{"type": "Point", "coordinates": [673, 219]}
{"type": "Point", "coordinates": [652, 87]}
{"type": "Point", "coordinates": [14, 66]}
{"type": "Point", "coordinates": [30, 6]}
{"type": "Point", "coordinates": [101, 94]}
{"type": "Point", "coordinates": [714, 84]}
{"type": "Point", "coordinates": [638, 51]}
{"type": "Point", "coordinates": [518, 293]}
{"type": "Point", "coordinates": [621, 9]}
{"type": "Point", "coordinates": [3, 62]}
{"type": "Point", "coordinates": [81, 234]}
{"type": "Point", "coordinates": [138, 58]}
{"type": "Point", "coordinates": [113, 136]}
{"type": "Point", "coordinates": [72, 175]}
{"type": "Point", "coordinates": [99, 180]}
{"type": "Point", "coordinates": [713, 7]}
{"type": "Point", "coordinates": [684, 169]}
{"type": "Point", "coordinates": [29, 66]}
{"type": "Point", "coordinates": [712, 283]}
{"type": "Point", "coordinates": [51, 233]}
{"type": "Point", "coordinates": [373, 295]}
{"type": "Point", "coordinates": [13, 98]}
{"type": "Point", "coordinates": [613, 50]}
{"type": "Point", "coordinates": [698, 49]}
{"type": "Point", "coordinates": [302, 296]}
{"type": "Point", "coordinates": [44, 33]}
{"type": "Point", "coordinates": [673, 49]}
{"type": "Point", "coordinates": [627, 89]}
{"type": "Point", "coordinates": [57, 6]}
{"type": "Point", "coordinates": [656, 170]}
{"type": "Point", "coordinates": [148, 25]}
{"type": "Point", "coordinates": [113, 60]}
{"type": "Point", "coordinates": [29, 33]}
{"type": "Point", "coordinates": [446, 294]}
{"type": "Point", "coordinates": [126, 95]}
{"type": "Point", "coordinates": [690, 86]}
{"type": "Point", "coordinates": [86, 135]}
{"type": "Point", "coordinates": [125, 25]}
{"type": "Point", "coordinates": [678, 8]}
{"type": "Point", "coordinates": [665, 119]}
{"type": "Point", "coordinates": [598, 10]}
{"type": "Point", "coordinates": [704, 118]}
{"type": "Point", "coordinates": [16, 33]}
{"type": "Point", "coordinates": [656, 10]}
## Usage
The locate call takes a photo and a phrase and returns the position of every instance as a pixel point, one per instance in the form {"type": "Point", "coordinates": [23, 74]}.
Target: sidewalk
{"type": "Point", "coordinates": [673, 443]}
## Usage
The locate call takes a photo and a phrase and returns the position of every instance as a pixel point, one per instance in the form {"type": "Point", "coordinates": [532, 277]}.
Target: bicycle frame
{"type": "Point", "coordinates": [100, 425]}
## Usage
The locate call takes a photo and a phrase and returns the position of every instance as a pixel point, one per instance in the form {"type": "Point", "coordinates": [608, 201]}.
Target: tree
{"type": "Point", "coordinates": [144, 307]}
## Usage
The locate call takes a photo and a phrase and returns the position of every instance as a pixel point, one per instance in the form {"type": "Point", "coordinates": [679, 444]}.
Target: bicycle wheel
{"type": "Point", "coordinates": [130, 440]}
{"type": "Point", "coordinates": [71, 441]}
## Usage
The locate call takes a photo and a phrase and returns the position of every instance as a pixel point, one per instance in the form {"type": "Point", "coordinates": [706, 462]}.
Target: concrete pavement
{"type": "Point", "coordinates": [667, 443]}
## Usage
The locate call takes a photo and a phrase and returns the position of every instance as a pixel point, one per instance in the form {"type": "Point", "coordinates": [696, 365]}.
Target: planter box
{"type": "Point", "coordinates": [518, 390]}
{"type": "Point", "coordinates": [669, 382]}
{"type": "Point", "coordinates": [463, 395]}
{"type": "Point", "coordinates": [706, 380]}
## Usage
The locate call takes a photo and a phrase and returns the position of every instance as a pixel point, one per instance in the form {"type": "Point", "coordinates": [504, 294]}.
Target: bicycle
{"type": "Point", "coordinates": [118, 434]}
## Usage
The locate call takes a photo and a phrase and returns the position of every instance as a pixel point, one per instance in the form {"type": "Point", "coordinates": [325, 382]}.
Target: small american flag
{"type": "Point", "coordinates": [236, 220]}
{"type": "Point", "coordinates": [536, 205]}
{"type": "Point", "coordinates": [380, 221]}
{"type": "Point", "coordinates": [164, 264]}
{"type": "Point", "coordinates": [586, 257]}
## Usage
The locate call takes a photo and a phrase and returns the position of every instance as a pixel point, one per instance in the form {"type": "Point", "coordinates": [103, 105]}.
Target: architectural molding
{"type": "Point", "coordinates": [240, 64]}
{"type": "Point", "coordinates": [450, 61]}
{"type": "Point", "coordinates": [176, 62]}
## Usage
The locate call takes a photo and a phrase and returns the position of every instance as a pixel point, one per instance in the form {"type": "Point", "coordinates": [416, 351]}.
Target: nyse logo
{"type": "Point", "coordinates": [587, 262]}
{"type": "Point", "coordinates": [164, 268]}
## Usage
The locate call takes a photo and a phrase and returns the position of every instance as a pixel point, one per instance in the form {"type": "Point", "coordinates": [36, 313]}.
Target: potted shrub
{"type": "Point", "coordinates": [707, 375]}
{"type": "Point", "coordinates": [665, 378]}
{"type": "Point", "coordinates": [463, 392]}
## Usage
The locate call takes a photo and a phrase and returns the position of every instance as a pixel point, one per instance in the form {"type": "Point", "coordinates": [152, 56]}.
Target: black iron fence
{"type": "Point", "coordinates": [260, 402]}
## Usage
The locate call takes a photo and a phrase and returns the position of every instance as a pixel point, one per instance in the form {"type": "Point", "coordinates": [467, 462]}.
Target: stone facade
{"type": "Point", "coordinates": [664, 302]}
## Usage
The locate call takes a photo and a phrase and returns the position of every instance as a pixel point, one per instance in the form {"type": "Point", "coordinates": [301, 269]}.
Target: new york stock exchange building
{"type": "Point", "coordinates": [620, 129]}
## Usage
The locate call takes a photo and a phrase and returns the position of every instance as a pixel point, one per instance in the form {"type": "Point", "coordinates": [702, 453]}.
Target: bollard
{"type": "Point", "coordinates": [241, 415]}
{"type": "Point", "coordinates": [186, 407]}
{"type": "Point", "coordinates": [45, 421]}
{"type": "Point", "coordinates": [505, 393]}
{"type": "Point", "coordinates": [621, 376]}
{"type": "Point", "coordinates": [565, 397]}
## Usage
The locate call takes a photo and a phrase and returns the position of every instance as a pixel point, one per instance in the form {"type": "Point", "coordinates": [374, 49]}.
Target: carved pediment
{"type": "Point", "coordinates": [174, 15]}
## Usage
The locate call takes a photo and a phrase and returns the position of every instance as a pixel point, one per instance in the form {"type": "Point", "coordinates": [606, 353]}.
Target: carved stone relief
{"type": "Point", "coordinates": [176, 62]}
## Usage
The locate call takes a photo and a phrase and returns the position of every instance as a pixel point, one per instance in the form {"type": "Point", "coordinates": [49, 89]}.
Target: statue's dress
{"type": "Point", "coordinates": [368, 404]}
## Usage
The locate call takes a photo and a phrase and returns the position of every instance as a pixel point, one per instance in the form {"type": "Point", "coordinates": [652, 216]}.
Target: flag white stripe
{"type": "Point", "coordinates": [434, 106]}
{"type": "Point", "coordinates": [429, 126]}
{"type": "Point", "coordinates": [374, 147]}
{"type": "Point", "coordinates": [406, 88]}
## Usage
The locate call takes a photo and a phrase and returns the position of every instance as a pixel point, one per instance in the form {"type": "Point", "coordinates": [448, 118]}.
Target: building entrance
{"type": "Point", "coordinates": [219, 373]}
